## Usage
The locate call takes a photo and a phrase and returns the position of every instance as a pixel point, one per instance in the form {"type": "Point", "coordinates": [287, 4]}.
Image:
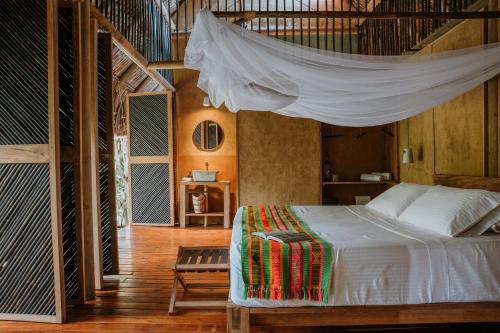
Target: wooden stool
{"type": "Point", "coordinates": [203, 259]}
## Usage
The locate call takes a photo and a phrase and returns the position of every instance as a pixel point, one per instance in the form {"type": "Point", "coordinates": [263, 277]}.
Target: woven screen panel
{"type": "Point", "coordinates": [66, 111]}
{"type": "Point", "coordinates": [26, 267]}
{"type": "Point", "coordinates": [102, 82]}
{"type": "Point", "coordinates": [150, 193]}
{"type": "Point", "coordinates": [148, 125]}
{"type": "Point", "coordinates": [106, 219]}
{"type": "Point", "coordinates": [70, 241]}
{"type": "Point", "coordinates": [23, 85]}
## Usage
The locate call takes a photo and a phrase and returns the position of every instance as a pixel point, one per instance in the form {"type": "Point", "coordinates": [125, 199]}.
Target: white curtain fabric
{"type": "Point", "coordinates": [248, 71]}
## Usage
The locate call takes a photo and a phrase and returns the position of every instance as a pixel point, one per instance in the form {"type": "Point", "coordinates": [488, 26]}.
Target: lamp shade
{"type": "Point", "coordinates": [407, 156]}
{"type": "Point", "coordinates": [206, 101]}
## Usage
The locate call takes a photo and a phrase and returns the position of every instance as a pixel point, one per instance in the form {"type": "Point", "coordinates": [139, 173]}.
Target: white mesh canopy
{"type": "Point", "coordinates": [248, 71]}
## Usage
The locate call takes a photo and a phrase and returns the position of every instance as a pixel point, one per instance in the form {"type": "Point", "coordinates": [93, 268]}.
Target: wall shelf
{"type": "Point", "coordinates": [360, 182]}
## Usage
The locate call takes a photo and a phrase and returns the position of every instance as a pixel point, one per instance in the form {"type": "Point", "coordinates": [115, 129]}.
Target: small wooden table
{"type": "Point", "coordinates": [202, 259]}
{"type": "Point", "coordinates": [185, 199]}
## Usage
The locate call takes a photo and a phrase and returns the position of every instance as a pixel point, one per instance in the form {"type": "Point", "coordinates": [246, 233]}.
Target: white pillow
{"type": "Point", "coordinates": [449, 211]}
{"type": "Point", "coordinates": [488, 222]}
{"type": "Point", "coordinates": [393, 201]}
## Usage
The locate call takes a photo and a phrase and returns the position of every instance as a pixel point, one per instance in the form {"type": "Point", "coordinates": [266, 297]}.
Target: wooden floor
{"type": "Point", "coordinates": [137, 300]}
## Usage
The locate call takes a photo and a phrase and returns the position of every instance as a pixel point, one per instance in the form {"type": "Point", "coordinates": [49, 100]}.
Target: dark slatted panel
{"type": "Point", "coordinates": [26, 268]}
{"type": "Point", "coordinates": [66, 77]}
{"type": "Point", "coordinates": [70, 248]}
{"type": "Point", "coordinates": [67, 134]}
{"type": "Point", "coordinates": [101, 93]}
{"type": "Point", "coordinates": [107, 257]}
{"type": "Point", "coordinates": [148, 125]}
{"type": "Point", "coordinates": [23, 68]}
{"type": "Point", "coordinates": [150, 193]}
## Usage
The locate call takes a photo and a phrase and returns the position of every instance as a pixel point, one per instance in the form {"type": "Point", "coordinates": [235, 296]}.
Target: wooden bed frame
{"type": "Point", "coordinates": [240, 319]}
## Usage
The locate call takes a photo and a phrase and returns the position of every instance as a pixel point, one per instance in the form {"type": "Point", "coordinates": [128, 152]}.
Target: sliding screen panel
{"type": "Point", "coordinates": [31, 255]}
{"type": "Point", "coordinates": [151, 184]}
{"type": "Point", "coordinates": [109, 237]}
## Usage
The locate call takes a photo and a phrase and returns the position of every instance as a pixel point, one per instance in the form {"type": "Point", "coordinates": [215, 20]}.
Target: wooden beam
{"type": "Point", "coordinates": [24, 154]}
{"type": "Point", "coordinates": [124, 45]}
{"type": "Point", "coordinates": [361, 14]}
{"type": "Point", "coordinates": [166, 65]}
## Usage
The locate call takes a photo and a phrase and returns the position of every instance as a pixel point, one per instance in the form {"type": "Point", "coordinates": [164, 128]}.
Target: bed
{"type": "Point", "coordinates": [385, 272]}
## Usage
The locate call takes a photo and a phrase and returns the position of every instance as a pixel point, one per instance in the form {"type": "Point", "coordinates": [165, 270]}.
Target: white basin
{"type": "Point", "coordinates": [204, 175]}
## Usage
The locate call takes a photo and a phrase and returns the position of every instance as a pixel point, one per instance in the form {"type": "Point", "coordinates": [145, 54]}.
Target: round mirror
{"type": "Point", "coordinates": [208, 136]}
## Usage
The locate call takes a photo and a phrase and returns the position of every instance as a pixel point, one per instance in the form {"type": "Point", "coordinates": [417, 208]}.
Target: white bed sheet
{"type": "Point", "coordinates": [382, 261]}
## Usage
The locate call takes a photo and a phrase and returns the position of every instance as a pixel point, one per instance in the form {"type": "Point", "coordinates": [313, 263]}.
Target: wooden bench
{"type": "Point", "coordinates": [207, 260]}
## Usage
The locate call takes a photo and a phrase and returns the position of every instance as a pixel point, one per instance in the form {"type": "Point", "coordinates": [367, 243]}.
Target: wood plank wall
{"type": "Point", "coordinates": [279, 159]}
{"type": "Point", "coordinates": [459, 137]}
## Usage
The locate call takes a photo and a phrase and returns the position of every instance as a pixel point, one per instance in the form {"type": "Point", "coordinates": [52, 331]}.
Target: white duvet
{"type": "Point", "coordinates": [381, 261]}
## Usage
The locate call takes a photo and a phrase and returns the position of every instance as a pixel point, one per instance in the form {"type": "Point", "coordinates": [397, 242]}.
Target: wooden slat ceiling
{"type": "Point", "coordinates": [128, 75]}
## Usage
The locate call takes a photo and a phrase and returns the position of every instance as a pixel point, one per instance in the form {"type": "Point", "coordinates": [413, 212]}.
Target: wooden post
{"type": "Point", "coordinates": [77, 107]}
{"type": "Point", "coordinates": [89, 157]}
{"type": "Point", "coordinates": [238, 318]}
{"type": "Point", "coordinates": [182, 206]}
{"type": "Point", "coordinates": [227, 205]}
{"type": "Point", "coordinates": [54, 160]}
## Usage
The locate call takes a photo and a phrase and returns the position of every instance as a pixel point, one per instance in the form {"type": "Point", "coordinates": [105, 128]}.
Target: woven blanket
{"type": "Point", "coordinates": [276, 271]}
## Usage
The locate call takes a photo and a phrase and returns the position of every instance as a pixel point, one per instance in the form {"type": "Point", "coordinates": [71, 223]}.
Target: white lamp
{"type": "Point", "coordinates": [407, 152]}
{"type": "Point", "coordinates": [206, 101]}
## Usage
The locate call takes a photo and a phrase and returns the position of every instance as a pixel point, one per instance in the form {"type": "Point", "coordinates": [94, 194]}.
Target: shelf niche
{"type": "Point", "coordinates": [352, 151]}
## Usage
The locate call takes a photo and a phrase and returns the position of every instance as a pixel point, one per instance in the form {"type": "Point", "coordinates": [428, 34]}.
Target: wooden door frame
{"type": "Point", "coordinates": [152, 159]}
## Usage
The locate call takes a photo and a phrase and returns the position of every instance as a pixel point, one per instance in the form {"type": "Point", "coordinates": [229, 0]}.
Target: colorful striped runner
{"type": "Point", "coordinates": [276, 271]}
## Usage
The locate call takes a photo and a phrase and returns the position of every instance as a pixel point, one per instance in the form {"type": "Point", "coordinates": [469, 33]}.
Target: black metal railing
{"type": "Point", "coordinates": [355, 26]}
{"type": "Point", "coordinates": [160, 29]}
